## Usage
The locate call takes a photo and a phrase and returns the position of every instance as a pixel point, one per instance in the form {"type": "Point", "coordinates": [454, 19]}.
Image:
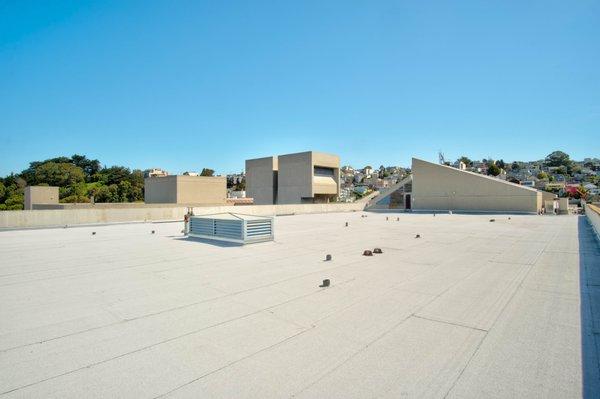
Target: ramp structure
{"type": "Point", "coordinates": [433, 187]}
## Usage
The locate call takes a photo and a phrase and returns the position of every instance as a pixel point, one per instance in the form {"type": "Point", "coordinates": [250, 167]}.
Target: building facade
{"type": "Point", "coordinates": [261, 180]}
{"type": "Point", "coordinates": [155, 172]}
{"type": "Point", "coordinates": [192, 190]}
{"type": "Point", "coordinates": [40, 195]}
{"type": "Point", "coordinates": [302, 178]}
{"type": "Point", "coordinates": [434, 187]}
{"type": "Point", "coordinates": [440, 187]}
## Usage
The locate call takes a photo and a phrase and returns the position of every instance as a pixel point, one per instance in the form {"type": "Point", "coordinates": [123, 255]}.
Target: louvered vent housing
{"type": "Point", "coordinates": [232, 227]}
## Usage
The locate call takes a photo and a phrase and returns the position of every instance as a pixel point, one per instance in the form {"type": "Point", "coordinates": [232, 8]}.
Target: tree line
{"type": "Point", "coordinates": [78, 179]}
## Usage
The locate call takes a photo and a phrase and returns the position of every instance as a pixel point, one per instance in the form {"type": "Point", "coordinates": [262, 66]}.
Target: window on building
{"type": "Point", "coordinates": [321, 171]}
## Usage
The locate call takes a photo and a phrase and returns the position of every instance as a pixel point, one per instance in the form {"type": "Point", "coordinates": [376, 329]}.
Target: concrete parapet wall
{"type": "Point", "coordinates": [593, 214]}
{"type": "Point", "coordinates": [62, 217]}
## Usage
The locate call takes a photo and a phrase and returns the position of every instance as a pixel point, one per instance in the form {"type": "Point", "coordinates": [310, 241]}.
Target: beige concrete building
{"type": "Point", "coordinates": [440, 187]}
{"type": "Point", "coordinates": [199, 190]}
{"type": "Point", "coordinates": [261, 180]}
{"type": "Point", "coordinates": [301, 178]}
{"type": "Point", "coordinates": [40, 195]}
{"type": "Point", "coordinates": [434, 187]}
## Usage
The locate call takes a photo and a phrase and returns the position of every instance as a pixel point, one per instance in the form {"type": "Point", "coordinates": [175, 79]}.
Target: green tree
{"type": "Point", "coordinates": [542, 175]}
{"type": "Point", "coordinates": [58, 174]}
{"type": "Point", "coordinates": [515, 166]}
{"type": "Point", "coordinates": [2, 192]}
{"type": "Point", "coordinates": [107, 194]}
{"type": "Point", "coordinates": [112, 175]}
{"type": "Point", "coordinates": [501, 164]}
{"type": "Point", "coordinates": [207, 172]}
{"type": "Point", "coordinates": [125, 191]}
{"type": "Point", "coordinates": [77, 192]}
{"type": "Point", "coordinates": [89, 166]}
{"type": "Point", "coordinates": [558, 158]}
{"type": "Point", "coordinates": [14, 201]}
{"type": "Point", "coordinates": [493, 169]}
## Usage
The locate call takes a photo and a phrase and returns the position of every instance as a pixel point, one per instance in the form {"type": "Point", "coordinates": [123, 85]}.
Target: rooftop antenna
{"type": "Point", "coordinates": [441, 157]}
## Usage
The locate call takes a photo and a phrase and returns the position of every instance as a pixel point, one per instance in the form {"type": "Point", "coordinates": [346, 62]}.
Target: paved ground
{"type": "Point", "coordinates": [471, 309]}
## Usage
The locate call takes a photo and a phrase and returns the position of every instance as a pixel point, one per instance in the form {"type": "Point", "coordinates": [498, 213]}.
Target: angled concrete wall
{"type": "Point", "coordinates": [440, 187]}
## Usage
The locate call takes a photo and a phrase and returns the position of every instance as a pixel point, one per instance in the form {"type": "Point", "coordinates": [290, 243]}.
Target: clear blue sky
{"type": "Point", "coordinates": [187, 84]}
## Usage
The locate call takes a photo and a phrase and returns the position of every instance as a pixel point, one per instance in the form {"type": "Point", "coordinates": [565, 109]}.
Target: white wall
{"type": "Point", "coordinates": [62, 217]}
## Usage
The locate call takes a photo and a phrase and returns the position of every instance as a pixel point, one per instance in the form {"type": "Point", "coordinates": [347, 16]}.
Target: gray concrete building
{"type": "Point", "coordinates": [300, 178]}
{"type": "Point", "coordinates": [261, 180]}
{"type": "Point", "coordinates": [40, 195]}
{"type": "Point", "coordinates": [197, 190]}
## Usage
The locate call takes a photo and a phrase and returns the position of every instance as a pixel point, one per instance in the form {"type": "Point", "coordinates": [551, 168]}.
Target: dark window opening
{"type": "Point", "coordinates": [321, 171]}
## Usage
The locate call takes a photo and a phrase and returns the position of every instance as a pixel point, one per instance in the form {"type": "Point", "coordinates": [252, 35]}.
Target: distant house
{"type": "Point", "coordinates": [528, 183]}
{"type": "Point", "coordinates": [155, 172]}
{"type": "Point", "coordinates": [554, 186]}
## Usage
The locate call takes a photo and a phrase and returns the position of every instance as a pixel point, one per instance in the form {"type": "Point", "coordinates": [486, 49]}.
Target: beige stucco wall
{"type": "Point", "coordinates": [40, 195]}
{"type": "Point", "coordinates": [201, 190]}
{"type": "Point", "coordinates": [185, 190]}
{"type": "Point", "coordinates": [261, 180]}
{"type": "Point", "coordinates": [440, 187]}
{"type": "Point", "coordinates": [69, 217]}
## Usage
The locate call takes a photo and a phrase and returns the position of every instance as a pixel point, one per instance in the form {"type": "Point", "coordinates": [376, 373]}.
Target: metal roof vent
{"type": "Point", "coordinates": [232, 227]}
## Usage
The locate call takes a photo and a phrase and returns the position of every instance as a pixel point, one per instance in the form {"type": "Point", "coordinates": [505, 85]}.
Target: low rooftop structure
{"type": "Point", "coordinates": [232, 227]}
{"type": "Point", "coordinates": [39, 197]}
{"type": "Point", "coordinates": [470, 309]}
{"type": "Point", "coordinates": [201, 190]}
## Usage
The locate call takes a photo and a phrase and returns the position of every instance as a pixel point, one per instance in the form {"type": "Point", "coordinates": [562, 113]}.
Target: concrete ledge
{"type": "Point", "coordinates": [593, 215]}
{"type": "Point", "coordinates": [69, 217]}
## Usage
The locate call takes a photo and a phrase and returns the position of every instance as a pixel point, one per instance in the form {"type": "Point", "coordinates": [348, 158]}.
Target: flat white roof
{"type": "Point", "coordinates": [470, 309]}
